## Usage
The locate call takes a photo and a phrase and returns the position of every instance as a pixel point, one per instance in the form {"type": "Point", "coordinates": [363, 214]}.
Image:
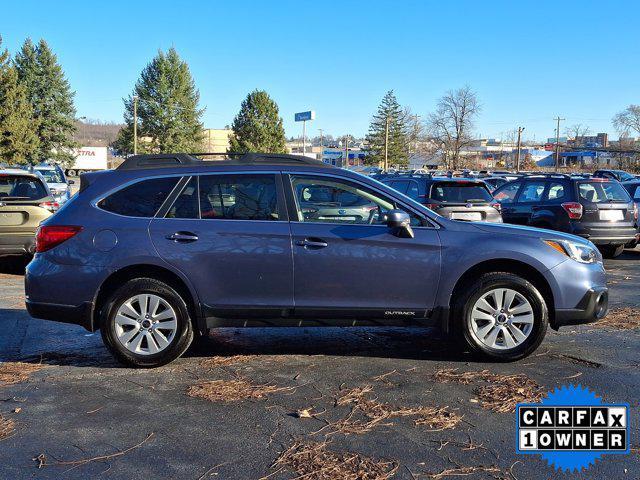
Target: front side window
{"type": "Point", "coordinates": [329, 200]}
{"type": "Point", "coordinates": [238, 197]}
{"type": "Point", "coordinates": [141, 199]}
{"type": "Point", "coordinates": [507, 193]}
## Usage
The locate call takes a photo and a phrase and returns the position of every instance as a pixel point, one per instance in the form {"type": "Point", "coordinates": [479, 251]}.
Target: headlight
{"type": "Point", "coordinates": [577, 251]}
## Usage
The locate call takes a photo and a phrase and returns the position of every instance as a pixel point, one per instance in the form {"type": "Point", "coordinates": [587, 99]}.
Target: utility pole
{"type": "Point", "coordinates": [558, 119]}
{"type": "Point", "coordinates": [321, 147]}
{"type": "Point", "coordinates": [304, 137]}
{"type": "Point", "coordinates": [346, 152]}
{"type": "Point", "coordinates": [520, 130]}
{"type": "Point", "coordinates": [386, 144]}
{"type": "Point", "coordinates": [135, 124]}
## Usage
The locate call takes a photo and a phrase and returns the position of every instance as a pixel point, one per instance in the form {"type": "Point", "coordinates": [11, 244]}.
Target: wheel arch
{"type": "Point", "coordinates": [120, 276]}
{"type": "Point", "coordinates": [517, 267]}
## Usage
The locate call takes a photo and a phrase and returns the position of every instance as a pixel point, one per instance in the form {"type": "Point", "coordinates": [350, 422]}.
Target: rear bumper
{"type": "Point", "coordinates": [17, 244]}
{"type": "Point", "coordinates": [608, 236]}
{"type": "Point", "coordinates": [592, 307]}
{"type": "Point", "coordinates": [76, 314]}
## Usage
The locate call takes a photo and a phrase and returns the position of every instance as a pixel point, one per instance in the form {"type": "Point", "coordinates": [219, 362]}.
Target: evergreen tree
{"type": "Point", "coordinates": [398, 143]}
{"type": "Point", "coordinates": [258, 126]}
{"type": "Point", "coordinates": [168, 113]}
{"type": "Point", "coordinates": [51, 98]}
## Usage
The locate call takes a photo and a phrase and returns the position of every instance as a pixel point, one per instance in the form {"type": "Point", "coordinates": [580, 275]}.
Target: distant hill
{"type": "Point", "coordinates": [94, 133]}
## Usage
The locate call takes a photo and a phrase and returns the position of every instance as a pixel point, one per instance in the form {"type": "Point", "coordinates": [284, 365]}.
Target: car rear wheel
{"type": "Point", "coordinates": [611, 251]}
{"type": "Point", "coordinates": [503, 317]}
{"type": "Point", "coordinates": [146, 323]}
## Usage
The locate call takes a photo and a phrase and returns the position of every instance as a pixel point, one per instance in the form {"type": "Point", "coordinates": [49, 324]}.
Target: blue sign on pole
{"type": "Point", "coordinates": [304, 116]}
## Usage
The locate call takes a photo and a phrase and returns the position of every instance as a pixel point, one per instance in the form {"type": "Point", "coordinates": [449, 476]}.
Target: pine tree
{"type": "Point", "coordinates": [168, 113]}
{"type": "Point", "coordinates": [18, 138]}
{"type": "Point", "coordinates": [258, 126]}
{"type": "Point", "coordinates": [398, 144]}
{"type": "Point", "coordinates": [51, 98]}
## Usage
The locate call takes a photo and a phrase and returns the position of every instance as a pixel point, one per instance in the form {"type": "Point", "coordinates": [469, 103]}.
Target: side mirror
{"type": "Point", "coordinates": [401, 222]}
{"type": "Point", "coordinates": [71, 182]}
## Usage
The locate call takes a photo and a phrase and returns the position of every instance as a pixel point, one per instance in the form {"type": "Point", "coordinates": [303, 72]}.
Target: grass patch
{"type": "Point", "coordinates": [313, 461]}
{"type": "Point", "coordinates": [222, 361]}
{"type": "Point", "coordinates": [17, 372]}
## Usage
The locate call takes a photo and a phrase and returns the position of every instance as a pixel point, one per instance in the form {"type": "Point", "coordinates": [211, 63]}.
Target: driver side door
{"type": "Point", "coordinates": [347, 262]}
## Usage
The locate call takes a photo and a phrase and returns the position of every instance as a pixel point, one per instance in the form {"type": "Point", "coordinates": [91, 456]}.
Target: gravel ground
{"type": "Point", "coordinates": [82, 415]}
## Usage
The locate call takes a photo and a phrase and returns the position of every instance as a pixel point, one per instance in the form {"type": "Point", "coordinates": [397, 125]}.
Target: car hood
{"type": "Point", "coordinates": [531, 232]}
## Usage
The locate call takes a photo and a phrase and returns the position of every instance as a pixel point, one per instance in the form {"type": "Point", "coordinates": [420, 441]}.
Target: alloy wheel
{"type": "Point", "coordinates": [502, 319]}
{"type": "Point", "coordinates": [145, 324]}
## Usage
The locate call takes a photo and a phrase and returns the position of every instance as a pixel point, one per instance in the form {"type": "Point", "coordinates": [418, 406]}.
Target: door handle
{"type": "Point", "coordinates": [312, 243]}
{"type": "Point", "coordinates": [182, 237]}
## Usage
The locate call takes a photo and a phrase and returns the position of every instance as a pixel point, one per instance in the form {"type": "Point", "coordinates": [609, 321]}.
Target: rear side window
{"type": "Point", "coordinates": [141, 199]}
{"type": "Point", "coordinates": [238, 197]}
{"type": "Point", "coordinates": [458, 192]}
{"type": "Point", "coordinates": [556, 191]}
{"type": "Point", "coordinates": [400, 185]}
{"type": "Point", "coordinates": [413, 191]}
{"type": "Point", "coordinates": [599, 192]}
{"type": "Point", "coordinates": [19, 187]}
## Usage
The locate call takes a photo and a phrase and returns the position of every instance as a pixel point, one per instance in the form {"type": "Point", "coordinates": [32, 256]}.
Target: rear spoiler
{"type": "Point", "coordinates": [87, 179]}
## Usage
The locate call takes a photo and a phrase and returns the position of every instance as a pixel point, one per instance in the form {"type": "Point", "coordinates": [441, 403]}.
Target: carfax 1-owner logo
{"type": "Point", "coordinates": [572, 427]}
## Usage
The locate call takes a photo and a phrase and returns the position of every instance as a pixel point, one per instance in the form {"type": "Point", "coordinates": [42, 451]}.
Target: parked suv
{"type": "Point", "coordinates": [25, 201]}
{"type": "Point", "coordinates": [166, 247]}
{"type": "Point", "coordinates": [56, 180]}
{"type": "Point", "coordinates": [599, 209]}
{"type": "Point", "coordinates": [453, 198]}
{"type": "Point", "coordinates": [619, 175]}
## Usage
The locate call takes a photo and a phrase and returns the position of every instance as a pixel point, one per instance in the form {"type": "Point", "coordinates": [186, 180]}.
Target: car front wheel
{"type": "Point", "coordinates": [146, 323]}
{"type": "Point", "coordinates": [503, 316]}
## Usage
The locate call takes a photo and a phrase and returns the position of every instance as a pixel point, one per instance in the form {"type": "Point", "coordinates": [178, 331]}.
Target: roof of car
{"type": "Point", "coordinates": [17, 171]}
{"type": "Point", "coordinates": [144, 162]}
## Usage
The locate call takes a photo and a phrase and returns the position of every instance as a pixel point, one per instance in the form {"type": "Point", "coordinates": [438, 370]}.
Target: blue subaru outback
{"type": "Point", "coordinates": [166, 247]}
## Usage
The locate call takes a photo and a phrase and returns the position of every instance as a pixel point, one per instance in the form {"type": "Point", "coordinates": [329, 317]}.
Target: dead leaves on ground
{"type": "Point", "coordinates": [367, 413]}
{"type": "Point", "coordinates": [7, 427]}
{"type": "Point", "coordinates": [626, 318]}
{"type": "Point", "coordinates": [313, 461]}
{"type": "Point", "coordinates": [17, 372]}
{"type": "Point", "coordinates": [502, 393]}
{"type": "Point", "coordinates": [222, 361]}
{"type": "Point", "coordinates": [231, 390]}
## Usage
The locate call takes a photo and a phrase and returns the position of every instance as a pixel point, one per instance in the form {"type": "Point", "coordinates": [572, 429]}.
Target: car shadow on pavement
{"type": "Point", "coordinates": [13, 265]}
{"type": "Point", "coordinates": [380, 342]}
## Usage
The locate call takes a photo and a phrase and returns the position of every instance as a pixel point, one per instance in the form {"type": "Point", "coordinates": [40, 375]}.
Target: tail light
{"type": "Point", "coordinates": [574, 209]}
{"type": "Point", "coordinates": [51, 206]}
{"type": "Point", "coordinates": [432, 206]}
{"type": "Point", "coordinates": [497, 206]}
{"type": "Point", "coordinates": [48, 237]}
{"type": "Point", "coordinates": [635, 211]}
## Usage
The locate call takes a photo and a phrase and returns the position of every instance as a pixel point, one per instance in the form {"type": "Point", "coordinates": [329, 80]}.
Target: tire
{"type": "Point", "coordinates": [526, 305]}
{"type": "Point", "coordinates": [71, 173]}
{"type": "Point", "coordinates": [611, 251]}
{"type": "Point", "coordinates": [146, 341]}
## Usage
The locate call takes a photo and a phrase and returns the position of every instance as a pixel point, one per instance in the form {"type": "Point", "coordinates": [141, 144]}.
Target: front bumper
{"type": "Point", "coordinates": [17, 244]}
{"type": "Point", "coordinates": [592, 307]}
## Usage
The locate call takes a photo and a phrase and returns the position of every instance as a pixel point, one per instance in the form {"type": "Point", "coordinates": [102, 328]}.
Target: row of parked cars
{"type": "Point", "coordinates": [27, 197]}
{"type": "Point", "coordinates": [598, 207]}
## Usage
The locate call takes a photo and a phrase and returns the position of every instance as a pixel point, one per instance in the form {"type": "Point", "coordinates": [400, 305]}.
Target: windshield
{"type": "Point", "coordinates": [624, 176]}
{"type": "Point", "coordinates": [454, 192]}
{"type": "Point", "coordinates": [52, 176]}
{"type": "Point", "coordinates": [600, 192]}
{"type": "Point", "coordinates": [18, 187]}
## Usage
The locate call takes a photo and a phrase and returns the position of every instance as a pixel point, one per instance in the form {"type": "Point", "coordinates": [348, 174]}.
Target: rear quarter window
{"type": "Point", "coordinates": [140, 199]}
{"type": "Point", "coordinates": [600, 192]}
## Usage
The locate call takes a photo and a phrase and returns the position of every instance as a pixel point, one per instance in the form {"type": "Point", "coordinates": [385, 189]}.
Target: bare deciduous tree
{"type": "Point", "coordinates": [451, 125]}
{"type": "Point", "coordinates": [628, 120]}
{"type": "Point", "coordinates": [577, 130]}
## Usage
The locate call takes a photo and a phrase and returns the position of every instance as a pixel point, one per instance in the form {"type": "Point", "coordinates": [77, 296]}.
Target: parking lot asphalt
{"type": "Point", "coordinates": [83, 416]}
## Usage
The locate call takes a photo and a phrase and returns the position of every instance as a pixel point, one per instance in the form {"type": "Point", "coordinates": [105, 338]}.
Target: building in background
{"type": "Point", "coordinates": [217, 140]}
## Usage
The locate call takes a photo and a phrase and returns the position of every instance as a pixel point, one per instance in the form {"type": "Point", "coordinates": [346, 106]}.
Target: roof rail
{"type": "Point", "coordinates": [140, 162]}
{"type": "Point", "coordinates": [547, 174]}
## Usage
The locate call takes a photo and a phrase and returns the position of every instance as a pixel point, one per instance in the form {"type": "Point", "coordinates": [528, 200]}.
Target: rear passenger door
{"type": "Point", "coordinates": [529, 200]}
{"type": "Point", "coordinates": [229, 234]}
